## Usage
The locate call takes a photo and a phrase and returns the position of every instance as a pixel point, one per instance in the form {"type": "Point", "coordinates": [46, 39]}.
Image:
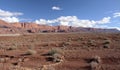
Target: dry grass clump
{"type": "Point", "coordinates": [12, 48]}
{"type": "Point", "coordinates": [31, 52]}
{"type": "Point", "coordinates": [106, 43]}
{"type": "Point", "coordinates": [55, 51]}
{"type": "Point", "coordinates": [91, 42]}
{"type": "Point", "coordinates": [97, 59]}
{"type": "Point", "coordinates": [56, 55]}
{"type": "Point", "coordinates": [31, 47]}
{"type": "Point", "coordinates": [95, 63]}
{"type": "Point", "coordinates": [3, 60]}
{"type": "Point", "coordinates": [64, 44]}
{"type": "Point", "coordinates": [106, 46]}
{"type": "Point", "coordinates": [80, 39]}
{"type": "Point", "coordinates": [94, 66]}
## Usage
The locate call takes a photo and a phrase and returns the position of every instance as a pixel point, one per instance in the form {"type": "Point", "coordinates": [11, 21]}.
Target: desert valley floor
{"type": "Point", "coordinates": [60, 51]}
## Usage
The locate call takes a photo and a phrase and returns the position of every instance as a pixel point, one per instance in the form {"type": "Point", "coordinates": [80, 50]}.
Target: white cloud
{"type": "Point", "coordinates": [73, 21]}
{"type": "Point", "coordinates": [117, 14]}
{"type": "Point", "coordinates": [56, 8]}
{"type": "Point", "coordinates": [10, 19]}
{"type": "Point", "coordinates": [41, 21]}
{"type": "Point", "coordinates": [104, 20]}
{"type": "Point", "coordinates": [9, 16]}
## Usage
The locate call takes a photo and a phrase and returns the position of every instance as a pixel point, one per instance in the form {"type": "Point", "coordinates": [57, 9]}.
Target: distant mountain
{"type": "Point", "coordinates": [25, 27]}
{"type": "Point", "coordinates": [95, 30]}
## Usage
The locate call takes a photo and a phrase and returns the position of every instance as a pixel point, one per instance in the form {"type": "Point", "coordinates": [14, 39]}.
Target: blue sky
{"type": "Point", "coordinates": [86, 13]}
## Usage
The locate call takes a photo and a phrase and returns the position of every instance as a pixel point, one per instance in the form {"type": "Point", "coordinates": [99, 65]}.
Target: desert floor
{"type": "Point", "coordinates": [77, 50]}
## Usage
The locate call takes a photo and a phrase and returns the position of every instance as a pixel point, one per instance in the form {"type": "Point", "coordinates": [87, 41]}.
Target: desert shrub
{"type": "Point", "coordinates": [55, 51]}
{"type": "Point", "coordinates": [12, 48]}
{"type": "Point", "coordinates": [80, 39]}
{"type": "Point", "coordinates": [65, 44]}
{"type": "Point", "coordinates": [106, 46]}
{"type": "Point", "coordinates": [31, 47]}
{"type": "Point", "coordinates": [31, 52]}
{"type": "Point", "coordinates": [94, 65]}
{"type": "Point", "coordinates": [52, 52]}
{"type": "Point", "coordinates": [91, 42]}
{"type": "Point", "coordinates": [96, 59]}
{"type": "Point", "coordinates": [57, 57]}
{"type": "Point", "coordinates": [86, 47]}
{"type": "Point", "coordinates": [15, 63]}
{"type": "Point", "coordinates": [2, 60]}
{"type": "Point", "coordinates": [107, 41]}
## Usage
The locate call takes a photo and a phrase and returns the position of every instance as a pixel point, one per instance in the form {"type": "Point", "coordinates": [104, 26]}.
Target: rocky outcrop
{"type": "Point", "coordinates": [4, 24]}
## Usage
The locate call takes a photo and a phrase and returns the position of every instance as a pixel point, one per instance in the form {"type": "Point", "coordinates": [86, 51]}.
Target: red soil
{"type": "Point", "coordinates": [78, 48]}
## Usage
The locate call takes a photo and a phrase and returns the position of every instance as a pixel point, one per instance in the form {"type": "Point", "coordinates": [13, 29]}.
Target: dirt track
{"type": "Point", "coordinates": [10, 34]}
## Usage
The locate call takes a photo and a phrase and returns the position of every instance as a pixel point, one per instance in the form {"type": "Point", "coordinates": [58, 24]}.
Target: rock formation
{"type": "Point", "coordinates": [25, 27]}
